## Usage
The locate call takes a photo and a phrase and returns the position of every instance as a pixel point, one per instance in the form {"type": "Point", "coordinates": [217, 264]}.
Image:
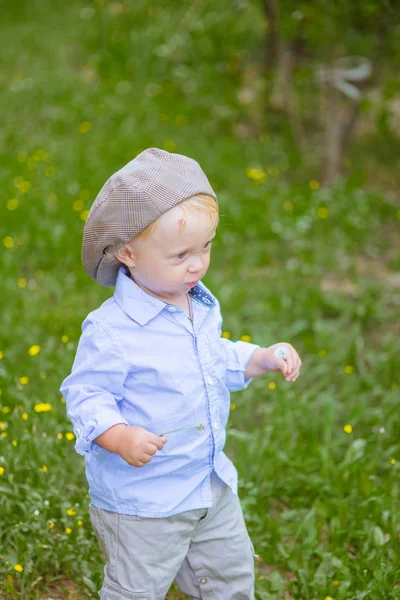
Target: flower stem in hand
{"type": "Point", "coordinates": [200, 427]}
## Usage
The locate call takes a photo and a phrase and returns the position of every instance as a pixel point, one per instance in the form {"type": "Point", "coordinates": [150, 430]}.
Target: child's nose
{"type": "Point", "coordinates": [196, 264]}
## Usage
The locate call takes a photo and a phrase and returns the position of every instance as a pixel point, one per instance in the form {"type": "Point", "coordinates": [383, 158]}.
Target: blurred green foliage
{"type": "Point", "coordinates": [86, 86]}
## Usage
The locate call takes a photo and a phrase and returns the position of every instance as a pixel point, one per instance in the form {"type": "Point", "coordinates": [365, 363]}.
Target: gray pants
{"type": "Point", "coordinates": [207, 551]}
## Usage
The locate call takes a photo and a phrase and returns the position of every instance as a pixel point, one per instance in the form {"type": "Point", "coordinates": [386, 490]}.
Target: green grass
{"type": "Point", "coordinates": [322, 505]}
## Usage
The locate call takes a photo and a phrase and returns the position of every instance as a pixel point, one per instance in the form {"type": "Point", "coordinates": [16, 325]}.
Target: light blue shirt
{"type": "Point", "coordinates": [142, 362]}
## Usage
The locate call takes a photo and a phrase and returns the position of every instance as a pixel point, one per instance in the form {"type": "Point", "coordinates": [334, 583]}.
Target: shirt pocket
{"type": "Point", "coordinates": [219, 354]}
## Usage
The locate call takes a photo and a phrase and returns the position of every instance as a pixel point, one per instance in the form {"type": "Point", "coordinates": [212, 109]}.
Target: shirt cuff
{"type": "Point", "coordinates": [89, 431]}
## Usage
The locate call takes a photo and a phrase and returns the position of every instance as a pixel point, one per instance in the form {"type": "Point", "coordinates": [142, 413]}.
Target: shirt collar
{"type": "Point", "coordinates": [134, 301]}
{"type": "Point", "coordinates": [142, 307]}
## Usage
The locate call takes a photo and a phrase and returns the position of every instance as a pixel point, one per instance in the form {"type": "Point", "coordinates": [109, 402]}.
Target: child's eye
{"type": "Point", "coordinates": [207, 245]}
{"type": "Point", "coordinates": [182, 255]}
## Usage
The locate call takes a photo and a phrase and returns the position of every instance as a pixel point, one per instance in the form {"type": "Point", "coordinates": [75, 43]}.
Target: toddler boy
{"type": "Point", "coordinates": [148, 395]}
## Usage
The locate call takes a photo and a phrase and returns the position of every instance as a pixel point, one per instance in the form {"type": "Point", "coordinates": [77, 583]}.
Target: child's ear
{"type": "Point", "coordinates": [127, 256]}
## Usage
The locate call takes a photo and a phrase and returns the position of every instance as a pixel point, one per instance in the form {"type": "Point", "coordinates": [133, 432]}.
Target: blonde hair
{"type": "Point", "coordinates": [202, 202]}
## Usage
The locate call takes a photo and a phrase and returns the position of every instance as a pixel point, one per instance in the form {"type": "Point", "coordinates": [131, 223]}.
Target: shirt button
{"type": "Point", "coordinates": [203, 580]}
{"type": "Point", "coordinates": [172, 309]}
{"type": "Point", "coordinates": [210, 380]}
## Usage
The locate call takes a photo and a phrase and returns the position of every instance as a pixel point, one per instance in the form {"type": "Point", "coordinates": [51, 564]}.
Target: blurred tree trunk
{"type": "Point", "coordinates": [340, 94]}
{"type": "Point", "coordinates": [339, 128]}
{"type": "Point", "coordinates": [273, 41]}
{"type": "Point", "coordinates": [282, 58]}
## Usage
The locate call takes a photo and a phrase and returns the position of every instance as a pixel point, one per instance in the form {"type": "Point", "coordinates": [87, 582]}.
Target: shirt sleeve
{"type": "Point", "coordinates": [237, 356]}
{"type": "Point", "coordinates": [95, 386]}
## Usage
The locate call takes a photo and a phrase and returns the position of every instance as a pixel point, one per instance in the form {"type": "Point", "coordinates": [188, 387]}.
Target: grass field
{"type": "Point", "coordinates": [85, 87]}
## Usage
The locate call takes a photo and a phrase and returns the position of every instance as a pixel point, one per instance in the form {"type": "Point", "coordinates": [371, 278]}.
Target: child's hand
{"type": "Point", "coordinates": [137, 446]}
{"type": "Point", "coordinates": [283, 357]}
{"type": "Point", "coordinates": [279, 357]}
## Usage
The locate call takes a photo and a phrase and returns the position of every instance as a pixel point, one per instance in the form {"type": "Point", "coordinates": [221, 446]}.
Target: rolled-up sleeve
{"type": "Point", "coordinates": [238, 355]}
{"type": "Point", "coordinates": [95, 386]}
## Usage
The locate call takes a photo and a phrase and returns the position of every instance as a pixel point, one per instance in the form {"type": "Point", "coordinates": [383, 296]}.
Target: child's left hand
{"type": "Point", "coordinates": [283, 358]}
{"type": "Point", "coordinates": [278, 358]}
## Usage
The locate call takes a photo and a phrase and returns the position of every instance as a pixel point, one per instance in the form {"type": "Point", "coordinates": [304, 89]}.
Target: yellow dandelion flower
{"type": "Point", "coordinates": [71, 512]}
{"type": "Point", "coordinates": [5, 410]}
{"type": "Point", "coordinates": [18, 568]}
{"type": "Point", "coordinates": [84, 215]}
{"type": "Point", "coordinates": [257, 175]}
{"type": "Point", "coordinates": [68, 530]}
{"type": "Point", "coordinates": [14, 443]}
{"type": "Point", "coordinates": [246, 338]}
{"type": "Point", "coordinates": [49, 172]}
{"type": "Point", "coordinates": [51, 524]}
{"type": "Point", "coordinates": [4, 434]}
{"type": "Point", "coordinates": [226, 334]}
{"type": "Point", "coordinates": [70, 436]}
{"type": "Point", "coordinates": [34, 350]}
{"type": "Point", "coordinates": [79, 523]}
{"type": "Point", "coordinates": [2, 470]}
{"type": "Point", "coordinates": [1, 355]}
{"type": "Point", "coordinates": [233, 406]}
{"type": "Point", "coordinates": [322, 212]}
{"type": "Point", "coordinates": [42, 407]}
{"type": "Point", "coordinates": [8, 241]}
{"type": "Point", "coordinates": [393, 461]}
{"type": "Point", "coordinates": [12, 204]}
{"type": "Point", "coordinates": [62, 400]}
{"type": "Point", "coordinates": [64, 339]}
{"type": "Point", "coordinates": [169, 145]}
{"type": "Point", "coordinates": [3, 425]}
{"type": "Point", "coordinates": [22, 283]}
{"type": "Point", "coordinates": [336, 582]}
{"type": "Point", "coordinates": [25, 416]}
{"type": "Point", "coordinates": [328, 598]}
{"type": "Point", "coordinates": [40, 154]}
{"type": "Point", "coordinates": [44, 469]}
{"type": "Point", "coordinates": [78, 205]}
{"type": "Point", "coordinates": [85, 127]}
{"type": "Point", "coordinates": [24, 187]}
{"type": "Point", "coordinates": [59, 436]}
{"type": "Point", "coordinates": [322, 353]}
{"type": "Point", "coordinates": [348, 369]}
{"type": "Point", "coordinates": [313, 184]}
{"type": "Point", "coordinates": [24, 380]}
{"type": "Point", "coordinates": [271, 385]}
{"type": "Point", "coordinates": [348, 428]}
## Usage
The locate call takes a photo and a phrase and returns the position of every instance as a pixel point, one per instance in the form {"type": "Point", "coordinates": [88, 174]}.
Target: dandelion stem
{"type": "Point", "coordinates": [200, 427]}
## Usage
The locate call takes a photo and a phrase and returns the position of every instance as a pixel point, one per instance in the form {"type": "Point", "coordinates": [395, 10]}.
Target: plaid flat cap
{"type": "Point", "coordinates": [131, 199]}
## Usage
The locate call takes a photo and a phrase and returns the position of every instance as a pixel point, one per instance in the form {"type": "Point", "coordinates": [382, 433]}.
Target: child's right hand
{"type": "Point", "coordinates": [137, 446]}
